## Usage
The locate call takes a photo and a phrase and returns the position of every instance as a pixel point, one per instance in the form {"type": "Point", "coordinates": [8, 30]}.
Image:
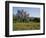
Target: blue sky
{"type": "Point", "coordinates": [33, 12]}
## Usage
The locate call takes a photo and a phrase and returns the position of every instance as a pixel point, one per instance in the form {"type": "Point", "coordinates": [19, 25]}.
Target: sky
{"type": "Point", "coordinates": [33, 12]}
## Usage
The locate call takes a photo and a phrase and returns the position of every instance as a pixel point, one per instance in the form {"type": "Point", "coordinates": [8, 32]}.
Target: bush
{"type": "Point", "coordinates": [36, 20]}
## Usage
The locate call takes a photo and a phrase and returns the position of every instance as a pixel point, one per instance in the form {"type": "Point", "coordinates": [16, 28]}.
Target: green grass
{"type": "Point", "coordinates": [26, 26]}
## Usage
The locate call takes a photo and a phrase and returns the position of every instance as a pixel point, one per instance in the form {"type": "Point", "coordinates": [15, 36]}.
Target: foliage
{"type": "Point", "coordinates": [36, 20]}
{"type": "Point", "coordinates": [22, 16]}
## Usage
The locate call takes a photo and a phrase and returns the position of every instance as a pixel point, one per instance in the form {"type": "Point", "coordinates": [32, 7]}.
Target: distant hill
{"type": "Point", "coordinates": [32, 18]}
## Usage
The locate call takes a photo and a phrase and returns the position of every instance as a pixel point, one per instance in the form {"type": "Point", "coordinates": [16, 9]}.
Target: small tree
{"type": "Point", "coordinates": [22, 15]}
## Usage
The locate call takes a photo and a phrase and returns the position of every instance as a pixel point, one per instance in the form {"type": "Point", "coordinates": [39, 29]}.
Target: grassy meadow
{"type": "Point", "coordinates": [26, 26]}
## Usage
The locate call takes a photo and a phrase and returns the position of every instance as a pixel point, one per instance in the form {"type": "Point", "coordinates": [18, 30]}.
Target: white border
{"type": "Point", "coordinates": [11, 32]}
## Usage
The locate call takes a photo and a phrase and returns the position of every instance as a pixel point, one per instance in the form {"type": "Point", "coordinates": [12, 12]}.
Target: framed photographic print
{"type": "Point", "coordinates": [24, 18]}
